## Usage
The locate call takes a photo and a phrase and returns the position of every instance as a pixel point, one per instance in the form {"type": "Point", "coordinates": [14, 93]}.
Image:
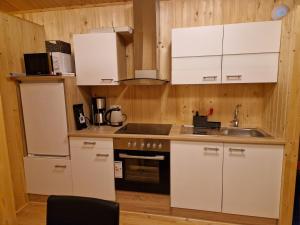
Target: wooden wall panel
{"type": "Point", "coordinates": [62, 24]}
{"type": "Point", "coordinates": [176, 104]}
{"type": "Point", "coordinates": [7, 206]}
{"type": "Point", "coordinates": [292, 127]}
{"type": "Point", "coordinates": [276, 100]}
{"type": "Point", "coordinates": [75, 95]}
{"type": "Point", "coordinates": [16, 38]}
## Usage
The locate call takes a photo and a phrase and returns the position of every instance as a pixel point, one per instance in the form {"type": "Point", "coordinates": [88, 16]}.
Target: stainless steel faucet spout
{"type": "Point", "coordinates": [235, 122]}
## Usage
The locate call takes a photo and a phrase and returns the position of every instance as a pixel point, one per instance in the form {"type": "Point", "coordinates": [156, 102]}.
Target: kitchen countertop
{"type": "Point", "coordinates": [108, 132]}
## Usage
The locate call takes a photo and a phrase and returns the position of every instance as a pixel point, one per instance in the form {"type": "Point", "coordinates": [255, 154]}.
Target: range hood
{"type": "Point", "coordinates": [146, 36]}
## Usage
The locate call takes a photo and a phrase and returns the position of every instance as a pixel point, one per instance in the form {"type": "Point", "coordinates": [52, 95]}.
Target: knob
{"type": "Point", "coordinates": [142, 145]}
{"type": "Point", "coordinates": [148, 145]}
{"type": "Point", "coordinates": [129, 144]}
{"type": "Point", "coordinates": [154, 145]}
{"type": "Point", "coordinates": [159, 146]}
{"type": "Point", "coordinates": [134, 144]}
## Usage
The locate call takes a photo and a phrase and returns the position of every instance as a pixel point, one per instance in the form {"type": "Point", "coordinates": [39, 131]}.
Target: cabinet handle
{"type": "Point", "coordinates": [60, 166]}
{"type": "Point", "coordinates": [107, 80]}
{"type": "Point", "coordinates": [209, 78]}
{"type": "Point", "coordinates": [237, 150]}
{"type": "Point", "coordinates": [102, 155]}
{"type": "Point", "coordinates": [157, 157]}
{"type": "Point", "coordinates": [89, 143]}
{"type": "Point", "coordinates": [234, 77]}
{"type": "Point", "coordinates": [211, 149]}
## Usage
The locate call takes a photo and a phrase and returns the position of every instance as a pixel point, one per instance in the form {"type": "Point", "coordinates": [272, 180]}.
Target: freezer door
{"type": "Point", "coordinates": [45, 120]}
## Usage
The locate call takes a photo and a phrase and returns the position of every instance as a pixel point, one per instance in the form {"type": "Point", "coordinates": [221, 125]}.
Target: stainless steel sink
{"type": "Point", "coordinates": [243, 132]}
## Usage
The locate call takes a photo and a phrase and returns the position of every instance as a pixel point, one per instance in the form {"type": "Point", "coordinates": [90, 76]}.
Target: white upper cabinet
{"type": "Point", "coordinates": [196, 70]}
{"type": "Point", "coordinates": [96, 58]}
{"type": "Point", "coordinates": [197, 55]}
{"type": "Point", "coordinates": [197, 41]}
{"type": "Point", "coordinates": [257, 37]}
{"type": "Point", "coordinates": [250, 68]}
{"type": "Point", "coordinates": [233, 53]}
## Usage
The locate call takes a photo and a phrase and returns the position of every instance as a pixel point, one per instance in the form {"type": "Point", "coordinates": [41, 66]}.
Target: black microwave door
{"type": "Point", "coordinates": [37, 64]}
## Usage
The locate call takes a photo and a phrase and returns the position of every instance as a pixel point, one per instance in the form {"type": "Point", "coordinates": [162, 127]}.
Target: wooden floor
{"type": "Point", "coordinates": [146, 209]}
{"type": "Point", "coordinates": [35, 214]}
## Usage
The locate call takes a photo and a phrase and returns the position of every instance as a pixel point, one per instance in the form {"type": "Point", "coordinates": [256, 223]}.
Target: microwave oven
{"type": "Point", "coordinates": [51, 63]}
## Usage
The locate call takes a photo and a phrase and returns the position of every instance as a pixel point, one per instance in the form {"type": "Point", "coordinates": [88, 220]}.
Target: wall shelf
{"type": "Point", "coordinates": [39, 78]}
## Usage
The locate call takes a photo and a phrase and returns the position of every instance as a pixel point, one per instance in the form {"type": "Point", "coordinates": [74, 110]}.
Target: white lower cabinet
{"type": "Point", "coordinates": [241, 179]}
{"type": "Point", "coordinates": [48, 176]}
{"type": "Point", "coordinates": [196, 175]}
{"type": "Point", "coordinates": [252, 179]}
{"type": "Point", "coordinates": [93, 167]}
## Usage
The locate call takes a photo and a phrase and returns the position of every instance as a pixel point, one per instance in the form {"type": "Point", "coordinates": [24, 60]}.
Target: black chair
{"type": "Point", "coordinates": [72, 210]}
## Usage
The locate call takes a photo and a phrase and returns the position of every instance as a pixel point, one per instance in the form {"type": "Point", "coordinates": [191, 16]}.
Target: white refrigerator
{"type": "Point", "coordinates": [47, 164]}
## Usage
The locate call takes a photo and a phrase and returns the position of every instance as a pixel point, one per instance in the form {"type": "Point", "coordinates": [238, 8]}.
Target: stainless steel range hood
{"type": "Point", "coordinates": [146, 47]}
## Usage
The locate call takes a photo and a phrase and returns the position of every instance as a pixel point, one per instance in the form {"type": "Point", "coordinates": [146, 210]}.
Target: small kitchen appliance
{"type": "Point", "coordinates": [79, 117]}
{"type": "Point", "coordinates": [50, 63]}
{"type": "Point", "coordinates": [114, 116]}
{"type": "Point", "coordinates": [98, 110]}
{"type": "Point", "coordinates": [143, 164]}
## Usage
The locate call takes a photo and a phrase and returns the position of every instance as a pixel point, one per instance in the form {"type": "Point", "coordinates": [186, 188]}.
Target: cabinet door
{"type": "Point", "coordinates": [196, 175]}
{"type": "Point", "coordinates": [258, 37]}
{"type": "Point", "coordinates": [48, 176]}
{"type": "Point", "coordinates": [96, 58]}
{"type": "Point", "coordinates": [196, 70]}
{"type": "Point", "coordinates": [93, 170]}
{"type": "Point", "coordinates": [197, 41]}
{"type": "Point", "coordinates": [251, 68]}
{"type": "Point", "coordinates": [45, 118]}
{"type": "Point", "coordinates": [252, 179]}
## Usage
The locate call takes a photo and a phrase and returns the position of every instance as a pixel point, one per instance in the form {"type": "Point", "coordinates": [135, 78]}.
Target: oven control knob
{"type": "Point", "coordinates": [129, 144]}
{"type": "Point", "coordinates": [148, 145]}
{"type": "Point", "coordinates": [154, 145]}
{"type": "Point", "coordinates": [159, 146]}
{"type": "Point", "coordinates": [134, 144]}
{"type": "Point", "coordinates": [142, 145]}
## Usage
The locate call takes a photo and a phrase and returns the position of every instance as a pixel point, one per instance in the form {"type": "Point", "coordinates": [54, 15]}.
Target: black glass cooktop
{"type": "Point", "coordinates": [145, 128]}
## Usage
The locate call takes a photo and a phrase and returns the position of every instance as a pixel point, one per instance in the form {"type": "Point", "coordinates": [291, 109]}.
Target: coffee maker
{"type": "Point", "coordinates": [98, 110]}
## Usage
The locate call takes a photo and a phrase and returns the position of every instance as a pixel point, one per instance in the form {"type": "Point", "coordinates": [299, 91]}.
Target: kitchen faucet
{"type": "Point", "coordinates": [235, 121]}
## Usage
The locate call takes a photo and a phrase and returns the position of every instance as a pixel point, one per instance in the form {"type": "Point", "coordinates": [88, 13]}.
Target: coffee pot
{"type": "Point", "coordinates": [98, 110]}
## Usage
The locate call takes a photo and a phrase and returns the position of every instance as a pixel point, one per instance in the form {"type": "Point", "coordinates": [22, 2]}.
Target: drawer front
{"type": "Point", "coordinates": [91, 143]}
{"type": "Point", "coordinates": [48, 176]}
{"type": "Point", "coordinates": [196, 70]}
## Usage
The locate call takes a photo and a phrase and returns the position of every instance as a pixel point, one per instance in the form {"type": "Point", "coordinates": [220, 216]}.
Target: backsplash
{"type": "Point", "coordinates": [176, 104]}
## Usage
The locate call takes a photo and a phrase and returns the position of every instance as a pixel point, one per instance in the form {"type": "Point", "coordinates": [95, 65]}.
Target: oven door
{"type": "Point", "coordinates": [142, 171]}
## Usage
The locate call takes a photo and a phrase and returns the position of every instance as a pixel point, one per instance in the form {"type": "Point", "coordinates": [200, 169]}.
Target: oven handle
{"type": "Point", "coordinates": [157, 157]}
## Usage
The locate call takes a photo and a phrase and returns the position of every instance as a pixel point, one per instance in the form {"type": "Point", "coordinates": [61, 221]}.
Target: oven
{"type": "Point", "coordinates": [142, 165]}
